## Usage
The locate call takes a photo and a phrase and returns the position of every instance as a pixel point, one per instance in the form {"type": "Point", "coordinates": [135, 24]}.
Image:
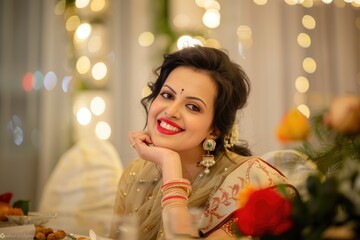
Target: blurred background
{"type": "Point", "coordinates": [77, 69]}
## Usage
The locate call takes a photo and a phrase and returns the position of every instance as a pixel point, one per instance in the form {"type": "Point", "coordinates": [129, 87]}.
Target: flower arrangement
{"type": "Point", "coordinates": [331, 209]}
{"type": "Point", "coordinates": [18, 208]}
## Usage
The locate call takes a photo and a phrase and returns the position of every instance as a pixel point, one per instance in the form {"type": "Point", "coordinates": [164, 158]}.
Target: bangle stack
{"type": "Point", "coordinates": [175, 193]}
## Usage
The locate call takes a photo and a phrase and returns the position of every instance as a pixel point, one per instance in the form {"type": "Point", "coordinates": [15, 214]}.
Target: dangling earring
{"type": "Point", "coordinates": [208, 159]}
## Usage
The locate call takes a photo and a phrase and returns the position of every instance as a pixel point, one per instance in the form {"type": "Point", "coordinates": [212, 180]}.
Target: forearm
{"type": "Point", "coordinates": [177, 220]}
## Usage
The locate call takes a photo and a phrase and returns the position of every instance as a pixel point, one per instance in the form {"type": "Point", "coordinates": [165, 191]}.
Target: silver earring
{"type": "Point", "coordinates": [208, 159]}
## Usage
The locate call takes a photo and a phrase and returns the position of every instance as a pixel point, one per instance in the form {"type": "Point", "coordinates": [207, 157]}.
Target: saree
{"type": "Point", "coordinates": [215, 193]}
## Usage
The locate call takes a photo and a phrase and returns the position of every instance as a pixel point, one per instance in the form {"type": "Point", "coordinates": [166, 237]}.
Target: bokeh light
{"type": "Point", "coordinates": [82, 3]}
{"type": "Point", "coordinates": [103, 130]}
{"type": "Point", "coordinates": [16, 129]}
{"type": "Point", "coordinates": [95, 43]}
{"type": "Point", "coordinates": [309, 65]}
{"type": "Point", "coordinates": [83, 116]}
{"type": "Point", "coordinates": [27, 81]}
{"type": "Point", "coordinates": [72, 23]}
{"type": "Point", "coordinates": [38, 80]}
{"type": "Point", "coordinates": [308, 22]}
{"type": "Point", "coordinates": [97, 106]}
{"type": "Point", "coordinates": [213, 4]}
{"type": "Point", "coordinates": [302, 84]}
{"type": "Point", "coordinates": [146, 39]}
{"type": "Point", "coordinates": [66, 83]}
{"type": "Point", "coordinates": [211, 18]}
{"type": "Point", "coordinates": [99, 71]}
{"type": "Point", "coordinates": [98, 5]}
{"type": "Point", "coordinates": [50, 80]}
{"type": "Point", "coordinates": [83, 31]}
{"type": "Point", "coordinates": [304, 40]}
{"type": "Point", "coordinates": [304, 110]}
{"type": "Point", "coordinates": [181, 21]}
{"type": "Point", "coordinates": [83, 64]}
{"type": "Point", "coordinates": [260, 2]}
{"type": "Point", "coordinates": [187, 41]}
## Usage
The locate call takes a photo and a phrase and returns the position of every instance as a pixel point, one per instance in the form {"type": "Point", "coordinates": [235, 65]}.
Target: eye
{"type": "Point", "coordinates": [193, 107]}
{"type": "Point", "coordinates": [167, 95]}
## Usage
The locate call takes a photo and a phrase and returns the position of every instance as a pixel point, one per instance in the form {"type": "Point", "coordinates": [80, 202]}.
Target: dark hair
{"type": "Point", "coordinates": [233, 87]}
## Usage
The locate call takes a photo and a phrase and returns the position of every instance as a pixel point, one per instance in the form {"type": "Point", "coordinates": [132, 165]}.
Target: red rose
{"type": "Point", "coordinates": [265, 212]}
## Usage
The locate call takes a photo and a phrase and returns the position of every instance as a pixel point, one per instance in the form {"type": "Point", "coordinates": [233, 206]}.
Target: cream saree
{"type": "Point", "coordinates": [217, 192]}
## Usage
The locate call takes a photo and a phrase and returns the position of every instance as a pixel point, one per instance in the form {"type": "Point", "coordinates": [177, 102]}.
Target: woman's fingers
{"type": "Point", "coordinates": [139, 137]}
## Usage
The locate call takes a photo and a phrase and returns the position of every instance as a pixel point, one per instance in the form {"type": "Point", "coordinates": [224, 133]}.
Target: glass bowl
{"type": "Point", "coordinates": [36, 218]}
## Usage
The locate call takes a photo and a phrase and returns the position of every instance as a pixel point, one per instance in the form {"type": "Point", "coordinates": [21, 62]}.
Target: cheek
{"type": "Point", "coordinates": [153, 111]}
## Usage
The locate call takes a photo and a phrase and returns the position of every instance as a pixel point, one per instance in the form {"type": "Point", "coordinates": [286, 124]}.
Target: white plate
{"type": "Point", "coordinates": [36, 218]}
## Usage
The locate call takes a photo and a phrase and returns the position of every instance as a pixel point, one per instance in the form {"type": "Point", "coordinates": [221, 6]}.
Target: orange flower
{"type": "Point", "coordinates": [293, 127]}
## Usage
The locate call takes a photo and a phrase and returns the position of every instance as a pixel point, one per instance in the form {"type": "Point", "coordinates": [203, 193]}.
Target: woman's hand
{"type": "Point", "coordinates": [168, 160]}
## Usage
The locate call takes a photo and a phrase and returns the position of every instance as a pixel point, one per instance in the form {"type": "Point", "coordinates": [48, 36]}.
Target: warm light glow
{"type": "Point", "coordinates": [83, 64]}
{"type": "Point", "coordinates": [304, 40]}
{"type": "Point", "coordinates": [212, 4]}
{"type": "Point", "coordinates": [83, 31]}
{"type": "Point", "coordinates": [72, 23]}
{"type": "Point", "coordinates": [97, 106]}
{"type": "Point", "coordinates": [304, 110]}
{"type": "Point", "coordinates": [244, 32]}
{"type": "Point", "coordinates": [98, 5]}
{"type": "Point", "coordinates": [103, 130]}
{"type": "Point", "coordinates": [308, 22]}
{"type": "Point", "coordinates": [83, 116]}
{"type": "Point", "coordinates": [81, 3]}
{"type": "Point", "coordinates": [99, 71]}
{"type": "Point", "coordinates": [187, 41]}
{"type": "Point", "coordinates": [211, 42]}
{"type": "Point", "coordinates": [60, 7]}
{"type": "Point", "coordinates": [308, 3]}
{"type": "Point", "coordinates": [291, 2]}
{"type": "Point", "coordinates": [302, 84]}
{"type": "Point", "coordinates": [200, 3]}
{"type": "Point", "coordinates": [260, 2]}
{"type": "Point", "coordinates": [146, 39]}
{"type": "Point", "coordinates": [339, 3]}
{"type": "Point", "coordinates": [309, 65]}
{"type": "Point", "coordinates": [211, 18]}
{"type": "Point", "coordinates": [95, 43]}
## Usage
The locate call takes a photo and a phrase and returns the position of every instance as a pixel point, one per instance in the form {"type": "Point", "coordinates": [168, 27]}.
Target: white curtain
{"type": "Point", "coordinates": [34, 121]}
{"type": "Point", "coordinates": [33, 38]}
{"type": "Point", "coordinates": [275, 60]}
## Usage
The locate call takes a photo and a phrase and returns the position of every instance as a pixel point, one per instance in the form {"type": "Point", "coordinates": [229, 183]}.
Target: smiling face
{"type": "Point", "coordinates": [180, 116]}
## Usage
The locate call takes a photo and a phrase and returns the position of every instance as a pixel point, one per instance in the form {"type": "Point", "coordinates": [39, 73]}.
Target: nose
{"type": "Point", "coordinates": [173, 110]}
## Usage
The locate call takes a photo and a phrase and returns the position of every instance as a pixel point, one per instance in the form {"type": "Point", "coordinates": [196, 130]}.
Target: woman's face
{"type": "Point", "coordinates": [180, 116]}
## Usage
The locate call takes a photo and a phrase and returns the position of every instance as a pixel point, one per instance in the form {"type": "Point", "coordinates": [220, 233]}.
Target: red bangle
{"type": "Point", "coordinates": [173, 183]}
{"type": "Point", "coordinates": [174, 196]}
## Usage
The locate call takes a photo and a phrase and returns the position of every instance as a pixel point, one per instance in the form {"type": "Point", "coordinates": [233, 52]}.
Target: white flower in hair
{"type": "Point", "coordinates": [232, 138]}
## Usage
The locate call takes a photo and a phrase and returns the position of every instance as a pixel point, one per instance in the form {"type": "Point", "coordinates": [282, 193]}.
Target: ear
{"type": "Point", "coordinates": [214, 133]}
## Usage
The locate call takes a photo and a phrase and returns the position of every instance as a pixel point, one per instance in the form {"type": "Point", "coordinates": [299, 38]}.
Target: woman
{"type": "Point", "coordinates": [188, 153]}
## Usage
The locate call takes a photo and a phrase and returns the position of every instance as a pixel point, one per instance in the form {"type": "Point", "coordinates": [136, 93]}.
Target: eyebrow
{"type": "Point", "coordinates": [190, 97]}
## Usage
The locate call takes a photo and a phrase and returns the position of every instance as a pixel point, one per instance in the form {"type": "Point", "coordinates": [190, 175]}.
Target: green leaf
{"type": "Point", "coordinates": [23, 204]}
